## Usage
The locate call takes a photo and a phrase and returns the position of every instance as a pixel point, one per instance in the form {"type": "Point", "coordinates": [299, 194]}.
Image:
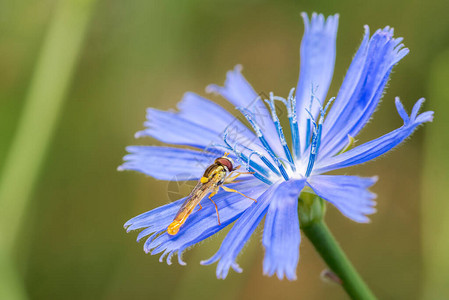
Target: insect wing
{"type": "Point", "coordinates": [198, 193]}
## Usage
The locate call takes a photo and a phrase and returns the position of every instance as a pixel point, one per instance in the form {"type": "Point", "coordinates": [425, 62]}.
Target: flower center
{"type": "Point", "coordinates": [269, 166]}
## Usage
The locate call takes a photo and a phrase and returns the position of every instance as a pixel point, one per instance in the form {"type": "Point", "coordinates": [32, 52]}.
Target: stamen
{"type": "Point", "coordinates": [280, 131]}
{"type": "Point", "coordinates": [296, 143]}
{"type": "Point", "coordinates": [264, 142]}
{"type": "Point", "coordinates": [308, 130]}
{"type": "Point", "coordinates": [262, 176]}
{"type": "Point", "coordinates": [290, 104]}
{"type": "Point", "coordinates": [263, 179]}
{"type": "Point", "coordinates": [256, 174]}
{"type": "Point", "coordinates": [316, 137]}
{"type": "Point", "coordinates": [309, 121]}
{"type": "Point", "coordinates": [253, 166]}
{"type": "Point", "coordinates": [282, 100]}
{"type": "Point", "coordinates": [323, 112]}
{"type": "Point", "coordinates": [312, 119]}
{"type": "Point", "coordinates": [265, 161]}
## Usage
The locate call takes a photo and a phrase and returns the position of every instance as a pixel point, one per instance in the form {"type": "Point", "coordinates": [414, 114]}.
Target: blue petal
{"type": "Point", "coordinates": [199, 226]}
{"type": "Point", "coordinates": [347, 193]}
{"type": "Point", "coordinates": [171, 128]}
{"type": "Point", "coordinates": [317, 65]}
{"type": "Point", "coordinates": [200, 123]}
{"type": "Point", "coordinates": [239, 92]}
{"type": "Point", "coordinates": [281, 236]}
{"type": "Point", "coordinates": [156, 219]}
{"type": "Point", "coordinates": [379, 146]}
{"type": "Point", "coordinates": [362, 88]}
{"type": "Point", "coordinates": [167, 163]}
{"type": "Point", "coordinates": [207, 114]}
{"type": "Point", "coordinates": [240, 233]}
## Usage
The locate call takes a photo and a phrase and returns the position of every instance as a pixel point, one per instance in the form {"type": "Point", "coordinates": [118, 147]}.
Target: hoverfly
{"type": "Point", "coordinates": [215, 176]}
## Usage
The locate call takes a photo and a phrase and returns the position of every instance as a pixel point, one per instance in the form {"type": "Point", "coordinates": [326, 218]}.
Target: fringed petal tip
{"type": "Point", "coordinates": [130, 226]}
{"type": "Point", "coordinates": [370, 181]}
{"type": "Point", "coordinates": [284, 270]}
{"type": "Point", "coordinates": [180, 261]}
{"type": "Point", "coordinates": [414, 118]}
{"type": "Point", "coordinates": [235, 266]}
{"type": "Point", "coordinates": [381, 145]}
{"type": "Point", "coordinates": [231, 76]}
{"type": "Point", "coordinates": [398, 49]}
{"type": "Point", "coordinates": [223, 271]}
{"type": "Point", "coordinates": [199, 226]}
{"type": "Point", "coordinates": [395, 43]}
{"type": "Point", "coordinates": [362, 88]}
{"type": "Point", "coordinates": [130, 222]}
{"type": "Point", "coordinates": [139, 134]}
{"type": "Point", "coordinates": [223, 266]}
{"type": "Point", "coordinates": [213, 89]}
{"type": "Point", "coordinates": [240, 234]}
{"type": "Point", "coordinates": [168, 255]}
{"type": "Point", "coordinates": [349, 194]}
{"type": "Point", "coordinates": [318, 22]}
{"type": "Point", "coordinates": [209, 261]}
{"type": "Point", "coordinates": [280, 274]}
{"type": "Point", "coordinates": [281, 236]}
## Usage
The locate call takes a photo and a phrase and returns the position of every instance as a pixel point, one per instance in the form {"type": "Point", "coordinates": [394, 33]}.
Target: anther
{"type": "Point", "coordinates": [280, 131]}
{"type": "Point", "coordinates": [264, 142]}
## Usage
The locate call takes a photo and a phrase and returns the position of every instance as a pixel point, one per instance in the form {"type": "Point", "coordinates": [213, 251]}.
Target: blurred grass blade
{"type": "Point", "coordinates": [435, 204]}
{"type": "Point", "coordinates": [49, 84]}
{"type": "Point", "coordinates": [10, 287]}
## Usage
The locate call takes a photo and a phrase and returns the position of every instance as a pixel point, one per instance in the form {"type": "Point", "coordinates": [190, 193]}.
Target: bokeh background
{"type": "Point", "coordinates": [103, 62]}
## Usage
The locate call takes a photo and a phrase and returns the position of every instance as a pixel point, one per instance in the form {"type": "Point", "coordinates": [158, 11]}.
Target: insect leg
{"type": "Point", "coordinates": [238, 167]}
{"type": "Point", "coordinates": [234, 191]}
{"type": "Point", "coordinates": [214, 192]}
{"type": "Point", "coordinates": [234, 177]}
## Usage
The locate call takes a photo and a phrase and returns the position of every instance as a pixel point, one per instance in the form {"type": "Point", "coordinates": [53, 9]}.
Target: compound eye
{"type": "Point", "coordinates": [225, 162]}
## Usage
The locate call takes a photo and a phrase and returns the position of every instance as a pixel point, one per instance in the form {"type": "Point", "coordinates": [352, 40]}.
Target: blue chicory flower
{"type": "Point", "coordinates": [318, 145]}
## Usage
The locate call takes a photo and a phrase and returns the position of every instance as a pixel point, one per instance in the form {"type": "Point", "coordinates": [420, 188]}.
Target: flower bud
{"type": "Point", "coordinates": [311, 208]}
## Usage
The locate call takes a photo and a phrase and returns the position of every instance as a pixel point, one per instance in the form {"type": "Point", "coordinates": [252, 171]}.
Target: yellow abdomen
{"type": "Point", "coordinates": [173, 228]}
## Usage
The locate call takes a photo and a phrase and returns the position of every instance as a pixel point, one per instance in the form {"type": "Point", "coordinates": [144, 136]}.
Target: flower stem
{"type": "Point", "coordinates": [328, 248]}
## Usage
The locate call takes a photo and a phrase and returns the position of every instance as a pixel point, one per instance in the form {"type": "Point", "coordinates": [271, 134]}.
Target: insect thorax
{"type": "Point", "coordinates": [216, 173]}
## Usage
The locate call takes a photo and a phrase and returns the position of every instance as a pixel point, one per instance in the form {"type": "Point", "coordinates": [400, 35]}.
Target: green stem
{"type": "Point", "coordinates": [326, 245]}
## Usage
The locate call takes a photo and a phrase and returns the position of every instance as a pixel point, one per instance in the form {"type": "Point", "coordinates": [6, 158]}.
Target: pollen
{"type": "Point", "coordinates": [204, 180]}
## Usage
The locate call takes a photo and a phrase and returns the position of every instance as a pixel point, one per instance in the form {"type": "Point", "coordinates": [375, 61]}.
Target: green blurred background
{"type": "Point", "coordinates": [101, 63]}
